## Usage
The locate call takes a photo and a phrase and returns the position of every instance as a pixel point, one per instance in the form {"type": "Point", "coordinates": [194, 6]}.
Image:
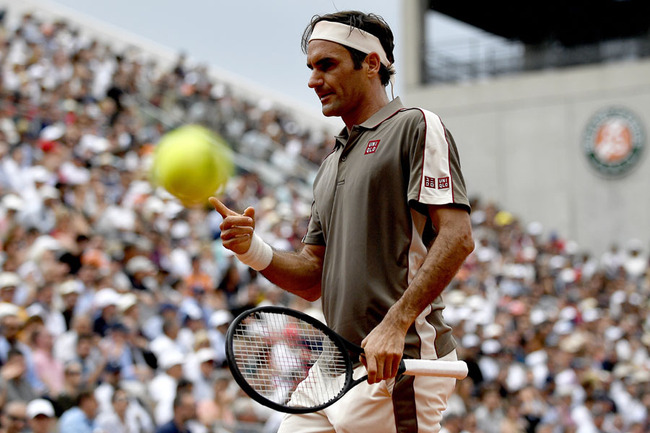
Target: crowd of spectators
{"type": "Point", "coordinates": [114, 298]}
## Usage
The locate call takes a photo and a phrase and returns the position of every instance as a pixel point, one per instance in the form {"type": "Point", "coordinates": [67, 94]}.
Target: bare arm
{"type": "Point", "coordinates": [385, 344]}
{"type": "Point", "coordinates": [296, 272]}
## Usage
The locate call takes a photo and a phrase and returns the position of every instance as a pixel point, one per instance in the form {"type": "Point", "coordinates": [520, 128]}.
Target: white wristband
{"type": "Point", "coordinates": [258, 256]}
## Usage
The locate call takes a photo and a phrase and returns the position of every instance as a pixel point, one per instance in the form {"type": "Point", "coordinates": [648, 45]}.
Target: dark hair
{"type": "Point", "coordinates": [86, 393]}
{"type": "Point", "coordinates": [371, 23]}
{"type": "Point", "coordinates": [178, 399]}
{"type": "Point", "coordinates": [117, 390]}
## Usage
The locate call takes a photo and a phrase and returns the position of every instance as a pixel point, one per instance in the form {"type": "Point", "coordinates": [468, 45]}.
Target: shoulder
{"type": "Point", "coordinates": [70, 415]}
{"type": "Point", "coordinates": [421, 115]}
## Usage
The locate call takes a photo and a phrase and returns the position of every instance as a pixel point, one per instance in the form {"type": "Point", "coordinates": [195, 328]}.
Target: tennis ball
{"type": "Point", "coordinates": [192, 163]}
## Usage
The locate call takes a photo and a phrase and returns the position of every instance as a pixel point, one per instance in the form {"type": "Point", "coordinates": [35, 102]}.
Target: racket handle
{"type": "Point", "coordinates": [434, 367]}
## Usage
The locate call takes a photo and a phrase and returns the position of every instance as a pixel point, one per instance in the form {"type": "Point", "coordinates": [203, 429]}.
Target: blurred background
{"type": "Point", "coordinates": [104, 275]}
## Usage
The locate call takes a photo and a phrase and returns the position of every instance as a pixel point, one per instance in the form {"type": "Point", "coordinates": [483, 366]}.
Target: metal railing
{"type": "Point", "coordinates": [475, 59]}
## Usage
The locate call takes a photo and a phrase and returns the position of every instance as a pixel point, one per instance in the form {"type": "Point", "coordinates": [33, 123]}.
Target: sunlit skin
{"type": "Point", "coordinates": [343, 90]}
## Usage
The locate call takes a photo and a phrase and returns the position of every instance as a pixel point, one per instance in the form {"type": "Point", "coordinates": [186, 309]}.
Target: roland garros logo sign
{"type": "Point", "coordinates": [613, 141]}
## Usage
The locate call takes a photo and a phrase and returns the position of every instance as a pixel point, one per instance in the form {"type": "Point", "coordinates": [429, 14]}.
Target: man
{"type": "Point", "coordinates": [163, 386]}
{"type": "Point", "coordinates": [72, 385]}
{"type": "Point", "coordinates": [41, 416]}
{"type": "Point", "coordinates": [80, 418]}
{"type": "Point", "coordinates": [184, 412]}
{"type": "Point", "coordinates": [13, 417]}
{"type": "Point", "coordinates": [11, 324]}
{"type": "Point", "coordinates": [13, 378]}
{"type": "Point", "coordinates": [389, 229]}
{"type": "Point", "coordinates": [125, 415]}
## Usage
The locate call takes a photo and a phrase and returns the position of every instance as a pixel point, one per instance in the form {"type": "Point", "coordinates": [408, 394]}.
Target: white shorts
{"type": "Point", "coordinates": [414, 405]}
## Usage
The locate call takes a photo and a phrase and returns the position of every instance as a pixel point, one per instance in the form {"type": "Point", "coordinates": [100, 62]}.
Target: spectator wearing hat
{"type": "Point", "coordinates": [69, 292]}
{"type": "Point", "coordinates": [106, 301]}
{"type": "Point", "coordinates": [14, 417]}
{"type": "Point", "coordinates": [219, 322]}
{"type": "Point", "coordinates": [162, 389]}
{"type": "Point", "coordinates": [40, 416]}
{"type": "Point", "coordinates": [9, 282]}
{"type": "Point", "coordinates": [193, 322]}
{"type": "Point", "coordinates": [203, 378]}
{"type": "Point", "coordinates": [81, 417]}
{"type": "Point", "coordinates": [10, 327]}
{"type": "Point", "coordinates": [138, 269]}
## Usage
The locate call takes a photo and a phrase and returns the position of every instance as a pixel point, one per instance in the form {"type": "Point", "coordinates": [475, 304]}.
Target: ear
{"type": "Point", "coordinates": [373, 62]}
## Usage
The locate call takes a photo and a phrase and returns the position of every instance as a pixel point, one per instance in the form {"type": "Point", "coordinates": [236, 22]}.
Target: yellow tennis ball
{"type": "Point", "coordinates": [192, 163]}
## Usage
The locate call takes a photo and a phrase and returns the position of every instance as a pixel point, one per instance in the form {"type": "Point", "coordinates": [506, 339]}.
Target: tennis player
{"type": "Point", "coordinates": [389, 229]}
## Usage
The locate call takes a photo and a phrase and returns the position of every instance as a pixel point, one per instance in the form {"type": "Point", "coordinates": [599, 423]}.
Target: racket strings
{"type": "Point", "coordinates": [288, 361]}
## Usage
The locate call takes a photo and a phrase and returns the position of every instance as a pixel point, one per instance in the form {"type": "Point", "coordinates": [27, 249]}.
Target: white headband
{"type": "Point", "coordinates": [350, 36]}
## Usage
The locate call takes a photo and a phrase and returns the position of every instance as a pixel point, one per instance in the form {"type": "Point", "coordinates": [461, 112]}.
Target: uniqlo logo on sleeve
{"type": "Point", "coordinates": [372, 146]}
{"type": "Point", "coordinates": [443, 182]}
{"type": "Point", "coordinates": [430, 182]}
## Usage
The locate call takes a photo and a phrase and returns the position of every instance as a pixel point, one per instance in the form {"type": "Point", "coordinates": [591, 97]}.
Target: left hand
{"type": "Point", "coordinates": [383, 349]}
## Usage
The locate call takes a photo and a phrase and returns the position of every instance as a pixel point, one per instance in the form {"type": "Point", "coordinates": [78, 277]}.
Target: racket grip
{"type": "Point", "coordinates": [435, 367]}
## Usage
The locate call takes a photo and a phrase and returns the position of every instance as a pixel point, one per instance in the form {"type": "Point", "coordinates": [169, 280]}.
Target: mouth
{"type": "Point", "coordinates": [323, 96]}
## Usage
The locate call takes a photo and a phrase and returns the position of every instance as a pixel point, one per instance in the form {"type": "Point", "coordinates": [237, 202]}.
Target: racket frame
{"type": "Point", "coordinates": [340, 343]}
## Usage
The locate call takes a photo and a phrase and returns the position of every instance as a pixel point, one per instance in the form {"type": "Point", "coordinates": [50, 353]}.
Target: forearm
{"type": "Point", "coordinates": [297, 272]}
{"type": "Point", "coordinates": [444, 259]}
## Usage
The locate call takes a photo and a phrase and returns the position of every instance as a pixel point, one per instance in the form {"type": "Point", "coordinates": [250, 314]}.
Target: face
{"type": "Point", "coordinates": [15, 417]}
{"type": "Point", "coordinates": [89, 406]}
{"type": "Point", "coordinates": [10, 326]}
{"type": "Point", "coordinates": [340, 88]}
{"type": "Point", "coordinates": [188, 407]}
{"type": "Point", "coordinates": [7, 294]}
{"type": "Point", "coordinates": [120, 402]}
{"type": "Point", "coordinates": [41, 424]}
{"type": "Point", "coordinates": [72, 374]}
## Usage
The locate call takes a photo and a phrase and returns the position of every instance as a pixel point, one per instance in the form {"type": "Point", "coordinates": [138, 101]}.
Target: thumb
{"type": "Point", "coordinates": [221, 208]}
{"type": "Point", "coordinates": [250, 212]}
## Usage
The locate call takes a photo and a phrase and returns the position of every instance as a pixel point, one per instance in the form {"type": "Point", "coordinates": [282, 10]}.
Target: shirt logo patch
{"type": "Point", "coordinates": [430, 182]}
{"type": "Point", "coordinates": [372, 146]}
{"type": "Point", "coordinates": [443, 182]}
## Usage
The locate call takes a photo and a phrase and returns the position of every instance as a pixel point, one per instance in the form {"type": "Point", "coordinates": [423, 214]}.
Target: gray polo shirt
{"type": "Point", "coordinates": [370, 211]}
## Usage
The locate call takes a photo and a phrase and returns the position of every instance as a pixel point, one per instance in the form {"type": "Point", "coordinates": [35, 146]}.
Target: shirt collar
{"type": "Point", "coordinates": [375, 120]}
{"type": "Point", "coordinates": [384, 113]}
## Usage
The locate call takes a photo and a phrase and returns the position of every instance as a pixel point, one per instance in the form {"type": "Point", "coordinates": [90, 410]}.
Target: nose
{"type": "Point", "coordinates": [315, 79]}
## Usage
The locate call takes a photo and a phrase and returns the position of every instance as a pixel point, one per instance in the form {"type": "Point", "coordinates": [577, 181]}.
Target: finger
{"type": "Point", "coordinates": [237, 222]}
{"type": "Point", "coordinates": [221, 208]}
{"type": "Point", "coordinates": [250, 212]}
{"type": "Point", "coordinates": [371, 366]}
{"type": "Point", "coordinates": [396, 363]}
{"type": "Point", "coordinates": [238, 232]}
{"type": "Point", "coordinates": [233, 244]}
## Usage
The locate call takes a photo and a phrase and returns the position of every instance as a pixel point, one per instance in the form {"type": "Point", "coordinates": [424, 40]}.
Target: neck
{"type": "Point", "coordinates": [372, 105]}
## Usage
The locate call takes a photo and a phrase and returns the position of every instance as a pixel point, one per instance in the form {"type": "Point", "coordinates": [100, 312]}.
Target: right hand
{"type": "Point", "coordinates": [236, 229]}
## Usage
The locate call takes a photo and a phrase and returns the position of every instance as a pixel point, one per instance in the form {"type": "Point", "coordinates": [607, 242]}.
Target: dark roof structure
{"type": "Point", "coordinates": [567, 22]}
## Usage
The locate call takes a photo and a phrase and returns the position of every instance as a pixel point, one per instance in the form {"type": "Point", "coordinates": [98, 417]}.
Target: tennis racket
{"type": "Point", "coordinates": [293, 363]}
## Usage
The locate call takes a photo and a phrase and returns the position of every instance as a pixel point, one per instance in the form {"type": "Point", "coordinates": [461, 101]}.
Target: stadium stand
{"type": "Point", "coordinates": [110, 288]}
